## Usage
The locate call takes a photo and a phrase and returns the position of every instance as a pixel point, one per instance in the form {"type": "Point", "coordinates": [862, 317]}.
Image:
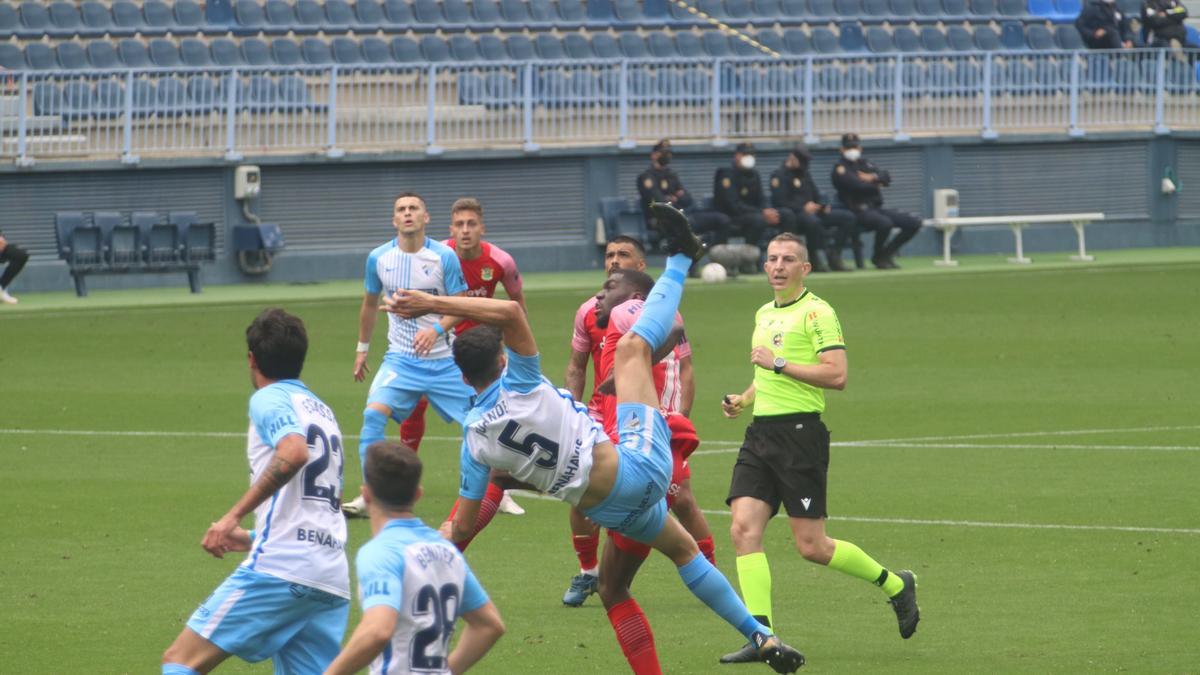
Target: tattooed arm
{"type": "Point", "coordinates": [290, 456]}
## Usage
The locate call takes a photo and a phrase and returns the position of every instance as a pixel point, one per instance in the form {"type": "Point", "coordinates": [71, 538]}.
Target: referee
{"type": "Point", "coordinates": [798, 351]}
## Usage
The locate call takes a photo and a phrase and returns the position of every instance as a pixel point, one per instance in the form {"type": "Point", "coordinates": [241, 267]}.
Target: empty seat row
{"type": "Point", "coordinates": [60, 18]}
{"type": "Point", "coordinates": [197, 95]}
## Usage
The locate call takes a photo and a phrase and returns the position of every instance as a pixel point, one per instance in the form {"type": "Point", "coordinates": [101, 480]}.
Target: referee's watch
{"type": "Point", "coordinates": [779, 364]}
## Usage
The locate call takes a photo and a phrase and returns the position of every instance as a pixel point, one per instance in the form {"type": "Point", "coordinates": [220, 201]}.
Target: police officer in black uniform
{"type": "Point", "coordinates": [858, 184]}
{"type": "Point", "coordinates": [738, 193]}
{"type": "Point", "coordinates": [793, 188]}
{"type": "Point", "coordinates": [1162, 22]}
{"type": "Point", "coordinates": [660, 184]}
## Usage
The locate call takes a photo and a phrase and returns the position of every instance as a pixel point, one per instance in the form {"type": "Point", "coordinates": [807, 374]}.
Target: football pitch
{"type": "Point", "coordinates": [1024, 438]}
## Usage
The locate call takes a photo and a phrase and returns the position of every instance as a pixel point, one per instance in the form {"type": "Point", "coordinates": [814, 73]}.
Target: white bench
{"type": "Point", "coordinates": [949, 226]}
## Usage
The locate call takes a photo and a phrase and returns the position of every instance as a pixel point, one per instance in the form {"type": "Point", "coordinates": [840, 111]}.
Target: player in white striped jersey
{"type": "Point", "coordinates": [521, 424]}
{"type": "Point", "coordinates": [418, 361]}
{"type": "Point", "coordinates": [289, 600]}
{"type": "Point", "coordinates": [412, 583]}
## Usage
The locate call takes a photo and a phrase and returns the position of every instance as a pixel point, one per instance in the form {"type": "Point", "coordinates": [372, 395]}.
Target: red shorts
{"type": "Point", "coordinates": [684, 441]}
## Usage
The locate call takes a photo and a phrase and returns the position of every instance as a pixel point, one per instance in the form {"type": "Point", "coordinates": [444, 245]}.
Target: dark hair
{"type": "Point", "coordinates": [409, 193]}
{"type": "Point", "coordinates": [641, 282]}
{"type": "Point", "coordinates": [279, 343]}
{"type": "Point", "coordinates": [477, 354]}
{"type": "Point", "coordinates": [393, 472]}
{"type": "Point", "coordinates": [626, 239]}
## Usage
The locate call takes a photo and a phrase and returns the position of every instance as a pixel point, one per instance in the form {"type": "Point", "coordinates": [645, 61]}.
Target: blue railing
{"type": "Point", "coordinates": [233, 112]}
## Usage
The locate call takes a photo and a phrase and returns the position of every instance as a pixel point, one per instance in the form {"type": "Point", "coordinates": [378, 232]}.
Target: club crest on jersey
{"type": "Point", "coordinates": [634, 423]}
{"type": "Point", "coordinates": [427, 269]}
{"type": "Point", "coordinates": [486, 274]}
{"type": "Point", "coordinates": [777, 339]}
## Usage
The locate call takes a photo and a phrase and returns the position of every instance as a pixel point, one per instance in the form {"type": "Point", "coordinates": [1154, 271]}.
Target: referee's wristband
{"type": "Point", "coordinates": [438, 327]}
{"type": "Point", "coordinates": [363, 347]}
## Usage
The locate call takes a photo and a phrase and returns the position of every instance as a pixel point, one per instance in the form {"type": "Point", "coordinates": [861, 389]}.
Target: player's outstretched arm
{"type": "Point", "coordinates": [504, 314]}
{"type": "Point", "coordinates": [484, 628]}
{"type": "Point", "coordinates": [369, 638]}
{"type": "Point", "coordinates": [290, 456]}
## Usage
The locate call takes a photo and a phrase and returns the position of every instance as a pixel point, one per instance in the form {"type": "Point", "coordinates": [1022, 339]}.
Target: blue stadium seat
{"type": "Point", "coordinates": [281, 17]}
{"type": "Point", "coordinates": [400, 13]}
{"type": "Point", "coordinates": [501, 90]}
{"type": "Point", "coordinates": [405, 50]}
{"type": "Point", "coordinates": [127, 18]}
{"type": "Point", "coordinates": [803, 8]}
{"type": "Point", "coordinates": [586, 89]}
{"type": "Point", "coordinates": [199, 239]}
{"type": "Point", "coordinates": [256, 52]}
{"type": "Point", "coordinates": [662, 46]}
{"type": "Point", "coordinates": [520, 47]}
{"type": "Point", "coordinates": [79, 241]}
{"type": "Point", "coordinates": [1012, 7]}
{"type": "Point", "coordinates": [904, 8]}
{"type": "Point", "coordinates": [161, 242]}
{"type": "Point", "coordinates": [434, 49]}
{"type": "Point", "coordinates": [876, 8]}
{"type": "Point", "coordinates": [70, 56]}
{"type": "Point", "coordinates": [916, 77]}
{"type": "Point", "coordinates": [10, 20]}
{"type": "Point", "coordinates": [906, 39]}
{"type": "Point", "coordinates": [713, 8]}
{"type": "Point", "coordinates": [551, 89]}
{"type": "Point", "coordinates": [338, 15]}
{"type": "Point", "coordinates": [1067, 37]}
{"type": "Point", "coordinates": [571, 11]}
{"type": "Point", "coordinates": [622, 217]}
{"type": "Point", "coordinates": [716, 44]}
{"type": "Point", "coordinates": [1065, 11]}
{"type": "Point", "coordinates": [94, 15]}
{"type": "Point", "coordinates": [225, 52]}
{"type": "Point", "coordinates": [173, 98]}
{"type": "Point", "coordinates": [164, 53]}
{"type": "Point", "coordinates": [486, 12]}
{"type": "Point", "coordinates": [656, 10]}
{"type": "Point", "coordinates": [549, 47]}
{"type": "Point", "coordinates": [968, 76]}
{"type": "Point", "coordinates": [605, 46]}
{"type": "Point", "coordinates": [315, 51]}
{"type": "Point", "coordinates": [743, 47]}
{"type": "Point", "coordinates": [457, 14]}
{"type": "Point", "coordinates": [1041, 8]}
{"type": "Point", "coordinates": [688, 45]}
{"type": "Point", "coordinates": [633, 46]}
{"type": "Point", "coordinates": [850, 38]}
{"type": "Point", "coordinates": [599, 11]}
{"type": "Point", "coordinates": [374, 51]}
{"type": "Point", "coordinates": [471, 88]}
{"type": "Point", "coordinates": [249, 16]}
{"type": "Point", "coordinates": [940, 79]}
{"type": "Point", "coordinates": [79, 100]}
{"type": "Point", "coordinates": [194, 53]}
{"type": "Point", "coordinates": [929, 8]}
{"type": "Point", "coordinates": [189, 16]}
{"type": "Point", "coordinates": [879, 40]}
{"type": "Point", "coordinates": [1012, 35]}
{"type": "Point", "coordinates": [517, 12]}
{"type": "Point", "coordinates": [205, 93]}
{"type": "Point", "coordinates": [310, 16]}
{"type": "Point", "coordinates": [35, 19]}
{"type": "Point", "coordinates": [40, 56]}
{"type": "Point", "coordinates": [133, 53]}
{"type": "Point", "coordinates": [795, 41]}
{"type": "Point", "coordinates": [102, 54]}
{"type": "Point", "coordinates": [739, 10]}
{"type": "Point", "coordinates": [959, 39]}
{"type": "Point", "coordinates": [11, 57]}
{"type": "Point", "coordinates": [771, 39]}
{"type": "Point", "coordinates": [285, 52]}
{"type": "Point", "coordinates": [768, 9]}
{"type": "Point", "coordinates": [65, 20]}
{"type": "Point", "coordinates": [577, 46]}
{"type": "Point", "coordinates": [542, 14]}
{"type": "Point", "coordinates": [258, 94]}
{"type": "Point", "coordinates": [463, 48]}
{"type": "Point", "coordinates": [145, 96]}
{"type": "Point", "coordinates": [932, 39]}
{"type": "Point", "coordinates": [642, 88]}
{"type": "Point", "coordinates": [368, 15]}
{"type": "Point", "coordinates": [1039, 37]}
{"type": "Point", "coordinates": [294, 95]}
{"type": "Point", "coordinates": [987, 39]}
{"type": "Point", "coordinates": [491, 48]}
{"type": "Point", "coordinates": [47, 99]}
{"type": "Point", "coordinates": [984, 8]}
{"type": "Point", "coordinates": [847, 8]}
{"type": "Point", "coordinates": [628, 12]}
{"type": "Point", "coordinates": [158, 18]}
{"type": "Point", "coordinates": [428, 12]}
{"type": "Point", "coordinates": [680, 14]}
{"type": "Point", "coordinates": [956, 9]}
{"type": "Point", "coordinates": [824, 41]}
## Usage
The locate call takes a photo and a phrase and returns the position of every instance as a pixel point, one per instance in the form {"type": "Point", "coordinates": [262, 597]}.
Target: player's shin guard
{"type": "Point", "coordinates": [176, 669]}
{"type": "Point", "coordinates": [658, 314]}
{"type": "Point", "coordinates": [707, 583]}
{"type": "Point", "coordinates": [635, 637]}
{"type": "Point", "coordinates": [708, 549]}
{"type": "Point", "coordinates": [412, 430]}
{"type": "Point", "coordinates": [586, 547]}
{"type": "Point", "coordinates": [373, 428]}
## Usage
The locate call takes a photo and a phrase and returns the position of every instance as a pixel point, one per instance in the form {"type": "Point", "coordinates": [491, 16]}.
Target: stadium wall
{"type": "Point", "coordinates": [544, 208]}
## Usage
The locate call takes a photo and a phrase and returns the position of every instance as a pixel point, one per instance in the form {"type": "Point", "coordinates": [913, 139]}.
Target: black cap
{"type": "Point", "coordinates": [850, 141]}
{"type": "Point", "coordinates": [745, 148]}
{"type": "Point", "coordinates": [801, 151]}
{"type": "Point", "coordinates": [664, 144]}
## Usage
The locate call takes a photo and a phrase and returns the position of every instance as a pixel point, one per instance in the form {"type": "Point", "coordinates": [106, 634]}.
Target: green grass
{"type": "Point", "coordinates": [101, 562]}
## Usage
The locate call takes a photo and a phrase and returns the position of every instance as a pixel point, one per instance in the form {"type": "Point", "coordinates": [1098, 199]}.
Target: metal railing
{"type": "Point", "coordinates": [132, 114]}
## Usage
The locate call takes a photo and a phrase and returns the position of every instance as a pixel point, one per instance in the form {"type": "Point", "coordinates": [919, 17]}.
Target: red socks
{"type": "Point", "coordinates": [585, 548]}
{"type": "Point", "coordinates": [708, 549]}
{"type": "Point", "coordinates": [634, 635]}
{"type": "Point", "coordinates": [412, 430]}
{"type": "Point", "coordinates": [487, 510]}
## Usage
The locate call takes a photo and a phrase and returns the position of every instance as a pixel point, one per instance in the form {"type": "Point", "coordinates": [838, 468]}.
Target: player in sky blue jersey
{"type": "Point", "coordinates": [412, 583]}
{"type": "Point", "coordinates": [290, 600]}
{"type": "Point", "coordinates": [521, 424]}
{"type": "Point", "coordinates": [418, 361]}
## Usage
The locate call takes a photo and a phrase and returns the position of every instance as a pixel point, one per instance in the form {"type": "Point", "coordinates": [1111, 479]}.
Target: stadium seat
{"type": "Point", "coordinates": [102, 54]}
{"type": "Point", "coordinates": [688, 45]}
{"type": "Point", "coordinates": [173, 98]}
{"type": "Point", "coordinates": [65, 19]}
{"type": "Point", "coordinates": [622, 217]}
{"type": "Point", "coordinates": [1067, 37]}
{"type": "Point", "coordinates": [281, 17]}
{"type": "Point", "coordinates": [35, 19]}
{"type": "Point", "coordinates": [338, 15]}
{"type": "Point", "coordinates": [628, 12]}
{"type": "Point", "coordinates": [771, 39]}
{"type": "Point", "coordinates": [795, 41]}
{"type": "Point", "coordinates": [256, 52]}
{"type": "Point", "coordinates": [405, 50]}
{"type": "Point", "coordinates": [161, 242]}
{"type": "Point", "coordinates": [258, 94]}
{"type": "Point", "coordinates": [571, 11]}
{"type": "Point", "coordinates": [551, 89]}
{"type": "Point", "coordinates": [293, 95]}
{"type": "Point", "coordinates": [633, 46]}
{"type": "Point", "coordinates": [145, 96]}
{"type": "Point", "coordinates": [315, 52]}
{"type": "Point", "coordinates": [199, 239]}
{"type": "Point", "coordinates": [1012, 7]}
{"type": "Point", "coordinates": [486, 12]}
{"type": "Point", "coordinates": [79, 241]}
{"type": "Point", "coordinates": [10, 20]}
{"type": "Point", "coordinates": [824, 41]}
{"type": "Point", "coordinates": [968, 76]}
{"type": "Point", "coordinates": [906, 40]}
{"type": "Point", "coordinates": [471, 89]}
{"type": "Point", "coordinates": [520, 47]}
{"type": "Point", "coordinates": [1040, 8]}
{"type": "Point", "coordinates": [542, 14]}
{"type": "Point", "coordinates": [517, 11]}
{"type": "Point", "coordinates": [713, 8]}
{"type": "Point", "coordinates": [434, 49]}
{"type": "Point", "coordinates": [954, 9]}
{"type": "Point", "coordinates": [739, 10]}
{"type": "Point", "coordinates": [463, 49]}
{"type": "Point", "coordinates": [164, 53]}
{"type": "Point", "coordinates": [679, 13]}
{"type": "Point", "coordinates": [95, 18]}
{"type": "Point", "coordinates": [847, 8]}
{"type": "Point", "coordinates": [605, 46]}
{"type": "Point", "coordinates": [309, 16]}
{"type": "Point", "coordinates": [815, 8]}
{"type": "Point", "coordinates": [1065, 11]}
{"type": "Point", "coordinates": [346, 51]}
{"type": "Point", "coordinates": [126, 18]}
{"type": "Point", "coordinates": [70, 56]}
{"type": "Point", "coordinates": [375, 51]}
{"type": "Point", "coordinates": [225, 52]}
{"type": "Point", "coordinates": [285, 52]}
{"type": "Point", "coordinates": [1039, 37]}
{"type": "Point", "coordinates": [501, 90]}
{"type": "Point", "coordinates": [879, 40]}
{"type": "Point", "coordinates": [876, 8]}
{"type": "Point", "coordinates": [250, 16]}
{"type": "Point", "coordinates": [769, 9]}
{"type": "Point", "coordinates": [47, 99]}
{"type": "Point", "coordinates": [987, 39]}
{"type": "Point", "coordinates": [457, 14]}
{"type": "Point", "coordinates": [79, 100]}
{"type": "Point", "coordinates": [193, 53]}
{"type": "Point", "coordinates": [599, 11]}
{"type": "Point", "coordinates": [932, 39]}
{"type": "Point", "coordinates": [642, 87]}
{"type": "Point", "coordinates": [959, 39]}
{"type": "Point", "coordinates": [850, 38]}
{"type": "Point", "coordinates": [133, 53]}
{"type": "Point", "coordinates": [903, 8]}
{"type": "Point", "coordinates": [400, 13]}
{"type": "Point", "coordinates": [189, 17]}
{"type": "Point", "coordinates": [577, 46]}
{"type": "Point", "coordinates": [205, 93]}
{"type": "Point", "coordinates": [157, 18]}
{"type": "Point", "coordinates": [549, 47]}
{"type": "Point", "coordinates": [661, 45]}
{"type": "Point", "coordinates": [983, 8]}
{"type": "Point", "coordinates": [491, 48]}
{"type": "Point", "coordinates": [40, 56]}
{"type": "Point", "coordinates": [939, 79]}
{"type": "Point", "coordinates": [368, 15]}
{"type": "Point", "coordinates": [929, 8]}
{"type": "Point", "coordinates": [11, 57]}
{"type": "Point", "coordinates": [743, 47]}
{"type": "Point", "coordinates": [1012, 35]}
{"type": "Point", "coordinates": [716, 44]}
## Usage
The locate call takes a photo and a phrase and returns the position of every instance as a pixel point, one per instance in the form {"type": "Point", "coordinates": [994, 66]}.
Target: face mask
{"type": "Point", "coordinates": [664, 158]}
{"type": "Point", "coordinates": [853, 154]}
{"type": "Point", "coordinates": [747, 162]}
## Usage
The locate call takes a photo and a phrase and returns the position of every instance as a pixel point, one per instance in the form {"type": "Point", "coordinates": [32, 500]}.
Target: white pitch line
{"type": "Point", "coordinates": [164, 434]}
{"type": "Point", "coordinates": [1071, 432]}
{"type": "Point", "coordinates": [1025, 446]}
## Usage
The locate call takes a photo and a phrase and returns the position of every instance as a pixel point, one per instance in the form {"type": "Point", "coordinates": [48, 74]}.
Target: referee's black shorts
{"type": "Point", "coordinates": [784, 459]}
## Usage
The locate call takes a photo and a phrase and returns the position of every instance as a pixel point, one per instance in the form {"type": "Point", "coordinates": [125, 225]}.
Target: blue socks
{"type": "Point", "coordinates": [707, 583]}
{"type": "Point", "coordinates": [176, 669]}
{"type": "Point", "coordinates": [373, 428]}
{"type": "Point", "coordinates": [658, 314]}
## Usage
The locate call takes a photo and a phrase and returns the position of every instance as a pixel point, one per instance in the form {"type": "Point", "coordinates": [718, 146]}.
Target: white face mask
{"type": "Point", "coordinates": [853, 154]}
{"type": "Point", "coordinates": [747, 162]}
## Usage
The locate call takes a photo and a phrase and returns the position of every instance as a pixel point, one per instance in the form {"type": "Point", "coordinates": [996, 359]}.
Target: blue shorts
{"type": "Point", "coordinates": [403, 380]}
{"type": "Point", "coordinates": [256, 616]}
{"type": "Point", "coordinates": [637, 507]}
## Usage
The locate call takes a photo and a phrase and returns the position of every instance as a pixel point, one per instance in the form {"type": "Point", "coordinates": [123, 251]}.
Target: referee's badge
{"type": "Point", "coordinates": [486, 274]}
{"type": "Point", "coordinates": [796, 182]}
{"type": "Point", "coordinates": [777, 339]}
{"type": "Point", "coordinates": [664, 185]}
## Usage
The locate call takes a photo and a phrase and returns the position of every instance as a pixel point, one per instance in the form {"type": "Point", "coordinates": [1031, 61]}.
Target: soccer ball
{"type": "Point", "coordinates": [713, 273]}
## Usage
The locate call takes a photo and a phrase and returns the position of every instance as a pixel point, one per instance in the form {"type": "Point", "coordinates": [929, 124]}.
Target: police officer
{"type": "Point", "coordinates": [1162, 22]}
{"type": "Point", "coordinates": [793, 188]}
{"type": "Point", "coordinates": [858, 184]}
{"type": "Point", "coordinates": [1102, 25]}
{"type": "Point", "coordinates": [738, 193]}
{"type": "Point", "coordinates": [660, 184]}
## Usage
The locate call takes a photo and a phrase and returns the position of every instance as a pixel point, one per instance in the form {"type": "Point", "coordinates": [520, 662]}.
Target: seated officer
{"type": "Point", "coordinates": [738, 193]}
{"type": "Point", "coordinates": [858, 184]}
{"type": "Point", "coordinates": [793, 188]}
{"type": "Point", "coordinates": [660, 184]}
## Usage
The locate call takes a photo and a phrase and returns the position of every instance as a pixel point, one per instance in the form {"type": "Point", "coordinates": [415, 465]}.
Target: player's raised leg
{"type": "Point", "coordinates": [191, 654]}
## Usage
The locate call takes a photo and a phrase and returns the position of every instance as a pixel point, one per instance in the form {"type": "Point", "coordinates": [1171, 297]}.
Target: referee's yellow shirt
{"type": "Point", "coordinates": [798, 332]}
